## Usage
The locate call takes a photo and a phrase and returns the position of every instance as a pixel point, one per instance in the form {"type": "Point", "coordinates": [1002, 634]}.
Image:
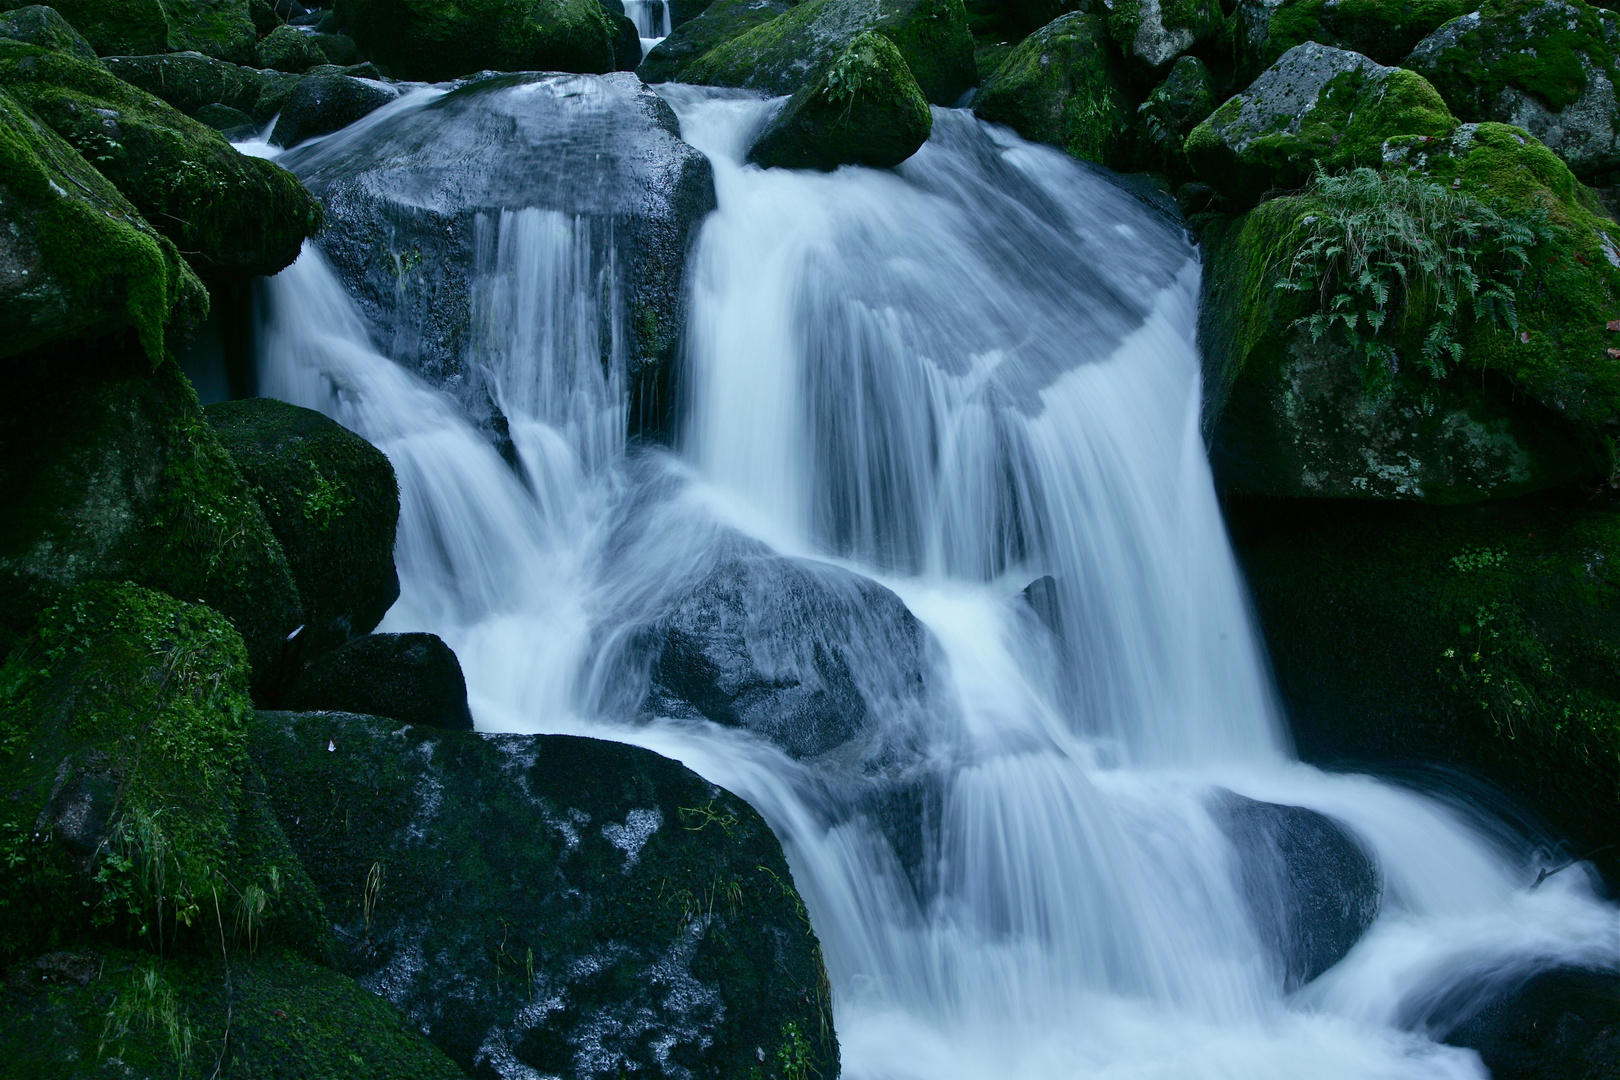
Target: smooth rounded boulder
{"type": "Point", "coordinates": [411, 678]}
{"type": "Point", "coordinates": [332, 501]}
{"type": "Point", "coordinates": [324, 103]}
{"type": "Point", "coordinates": [287, 48]}
{"type": "Point", "coordinates": [435, 40]}
{"type": "Point", "coordinates": [45, 27]}
{"type": "Point", "coordinates": [191, 81]}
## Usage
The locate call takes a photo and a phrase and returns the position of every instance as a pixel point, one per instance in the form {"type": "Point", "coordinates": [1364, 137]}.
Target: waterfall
{"type": "Point", "coordinates": [652, 21]}
{"type": "Point", "coordinates": [974, 381]}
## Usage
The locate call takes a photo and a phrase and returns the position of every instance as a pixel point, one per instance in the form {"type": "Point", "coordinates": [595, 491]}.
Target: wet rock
{"type": "Point", "coordinates": [1312, 889]}
{"type": "Point", "coordinates": [865, 109]}
{"type": "Point", "coordinates": [1548, 1025]}
{"type": "Point", "coordinates": [411, 678]}
{"type": "Point", "coordinates": [1546, 67]}
{"type": "Point", "coordinates": [43, 26]}
{"type": "Point", "coordinates": [1059, 86]}
{"type": "Point", "coordinates": [333, 503]}
{"type": "Point", "coordinates": [289, 49]}
{"type": "Point", "coordinates": [471, 877]}
{"type": "Point", "coordinates": [598, 157]}
{"type": "Point", "coordinates": [326, 103]}
{"type": "Point", "coordinates": [446, 40]}
{"type": "Point", "coordinates": [190, 81]}
{"type": "Point", "coordinates": [719, 22]}
{"type": "Point", "coordinates": [1315, 106]}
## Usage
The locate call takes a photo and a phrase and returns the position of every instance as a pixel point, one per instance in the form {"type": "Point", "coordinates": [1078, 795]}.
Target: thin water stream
{"type": "Point", "coordinates": [956, 378]}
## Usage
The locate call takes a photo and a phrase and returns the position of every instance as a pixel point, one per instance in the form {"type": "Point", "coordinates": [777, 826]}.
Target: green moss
{"type": "Point", "coordinates": [130, 713]}
{"type": "Point", "coordinates": [719, 21]}
{"type": "Point", "coordinates": [95, 266]}
{"type": "Point", "coordinates": [119, 26]}
{"type": "Point", "coordinates": [439, 39]}
{"type": "Point", "coordinates": [219, 28]}
{"type": "Point", "coordinates": [271, 1017]}
{"type": "Point", "coordinates": [1385, 30]}
{"type": "Point", "coordinates": [45, 27]}
{"type": "Point", "coordinates": [190, 82]}
{"type": "Point", "coordinates": [1171, 111]}
{"type": "Point", "coordinates": [1059, 87]}
{"type": "Point", "coordinates": [289, 49]}
{"type": "Point", "coordinates": [225, 211]}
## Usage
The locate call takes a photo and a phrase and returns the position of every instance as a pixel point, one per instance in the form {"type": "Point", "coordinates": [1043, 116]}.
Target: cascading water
{"type": "Point", "coordinates": [652, 21]}
{"type": "Point", "coordinates": [956, 378]}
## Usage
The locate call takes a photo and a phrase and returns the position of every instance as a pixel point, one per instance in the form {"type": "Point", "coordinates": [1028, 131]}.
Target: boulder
{"type": "Point", "coordinates": [864, 109]}
{"type": "Point", "coordinates": [551, 905]}
{"type": "Point", "coordinates": [325, 103]}
{"type": "Point", "coordinates": [77, 260]}
{"type": "Point", "coordinates": [1173, 108]}
{"type": "Point", "coordinates": [1298, 409]}
{"type": "Point", "coordinates": [807, 655]}
{"type": "Point", "coordinates": [781, 55]}
{"type": "Point", "coordinates": [284, 1017]}
{"type": "Point", "coordinates": [597, 157]}
{"type": "Point", "coordinates": [191, 81]}
{"type": "Point", "coordinates": [1385, 30]}
{"type": "Point", "coordinates": [411, 678]}
{"type": "Point", "coordinates": [111, 472]}
{"type": "Point", "coordinates": [447, 39]}
{"type": "Point", "coordinates": [229, 214]}
{"type": "Point", "coordinates": [43, 26]}
{"type": "Point", "coordinates": [221, 28]}
{"type": "Point", "coordinates": [332, 501]}
{"type": "Point", "coordinates": [1547, 67]}
{"type": "Point", "coordinates": [1483, 638]}
{"type": "Point", "coordinates": [1315, 107]}
{"type": "Point", "coordinates": [1535, 1025]}
{"type": "Point", "coordinates": [1312, 890]}
{"type": "Point", "coordinates": [339, 49]}
{"type": "Point", "coordinates": [118, 26]}
{"type": "Point", "coordinates": [126, 716]}
{"type": "Point", "coordinates": [290, 49]}
{"type": "Point", "coordinates": [719, 22]}
{"type": "Point", "coordinates": [1154, 34]}
{"type": "Point", "coordinates": [1059, 86]}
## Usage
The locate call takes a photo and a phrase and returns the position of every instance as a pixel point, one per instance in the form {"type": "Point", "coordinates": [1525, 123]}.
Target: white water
{"type": "Point", "coordinates": [652, 21]}
{"type": "Point", "coordinates": [955, 378]}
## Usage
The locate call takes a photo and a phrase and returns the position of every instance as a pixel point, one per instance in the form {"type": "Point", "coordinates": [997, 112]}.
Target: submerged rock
{"type": "Point", "coordinates": [595, 161]}
{"type": "Point", "coordinates": [411, 678]}
{"type": "Point", "coordinates": [1311, 888]}
{"type": "Point", "coordinates": [443, 40]}
{"type": "Point", "coordinates": [333, 503]}
{"type": "Point", "coordinates": [548, 903]}
{"type": "Point", "coordinates": [865, 109]}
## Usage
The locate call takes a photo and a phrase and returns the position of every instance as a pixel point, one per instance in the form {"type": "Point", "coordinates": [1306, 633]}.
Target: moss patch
{"type": "Point", "coordinates": [191, 81]}
{"type": "Point", "coordinates": [118, 26]}
{"type": "Point", "coordinates": [445, 39]}
{"type": "Point", "coordinates": [1385, 30]}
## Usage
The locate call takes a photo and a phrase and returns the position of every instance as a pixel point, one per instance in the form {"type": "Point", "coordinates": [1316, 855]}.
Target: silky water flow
{"type": "Point", "coordinates": [959, 377]}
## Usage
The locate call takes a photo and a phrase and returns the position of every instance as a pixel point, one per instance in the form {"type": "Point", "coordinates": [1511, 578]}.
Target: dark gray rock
{"type": "Point", "coordinates": [1562, 1024]}
{"type": "Point", "coordinates": [326, 103]}
{"type": "Point", "coordinates": [411, 678]}
{"type": "Point", "coordinates": [190, 80]}
{"type": "Point", "coordinates": [406, 200]}
{"type": "Point", "coordinates": [550, 905]}
{"type": "Point", "coordinates": [1312, 889]}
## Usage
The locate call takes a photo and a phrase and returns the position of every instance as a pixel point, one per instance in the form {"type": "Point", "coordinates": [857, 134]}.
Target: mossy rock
{"type": "Point", "coordinates": [324, 103]}
{"type": "Point", "coordinates": [81, 262]}
{"type": "Point", "coordinates": [1483, 636]}
{"type": "Point", "coordinates": [111, 472]}
{"type": "Point", "coordinates": [332, 501]}
{"type": "Point", "coordinates": [1548, 67]}
{"type": "Point", "coordinates": [469, 876]}
{"type": "Point", "coordinates": [1059, 86]}
{"type": "Point", "coordinates": [190, 81]}
{"type": "Point", "coordinates": [220, 28]}
{"type": "Point", "coordinates": [109, 1014]}
{"type": "Point", "coordinates": [130, 809]}
{"type": "Point", "coordinates": [45, 27]}
{"type": "Point", "coordinates": [288, 48]}
{"type": "Point", "coordinates": [118, 26]}
{"type": "Point", "coordinates": [411, 678]}
{"type": "Point", "coordinates": [446, 39]}
{"type": "Point", "coordinates": [229, 213]}
{"type": "Point", "coordinates": [782, 55]}
{"type": "Point", "coordinates": [1385, 30]}
{"type": "Point", "coordinates": [1153, 33]}
{"type": "Point", "coordinates": [865, 109]}
{"type": "Point", "coordinates": [1162, 123]}
{"type": "Point", "coordinates": [1316, 107]}
{"type": "Point", "coordinates": [1526, 407]}
{"type": "Point", "coordinates": [721, 21]}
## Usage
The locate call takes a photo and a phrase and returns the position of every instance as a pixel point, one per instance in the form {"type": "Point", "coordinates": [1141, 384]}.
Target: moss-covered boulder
{"type": "Point", "coordinates": [287, 48]}
{"type": "Point", "coordinates": [411, 678]}
{"type": "Point", "coordinates": [326, 102]}
{"type": "Point", "coordinates": [446, 39]}
{"type": "Point", "coordinates": [1385, 30]}
{"type": "Point", "coordinates": [1154, 33]}
{"type": "Point", "coordinates": [79, 260]}
{"type": "Point", "coordinates": [332, 501]}
{"type": "Point", "coordinates": [518, 896]}
{"type": "Point", "coordinates": [45, 27]}
{"type": "Point", "coordinates": [229, 213]}
{"type": "Point", "coordinates": [130, 808]}
{"type": "Point", "coordinates": [1317, 107]}
{"type": "Point", "coordinates": [1177, 105]}
{"type": "Point", "coordinates": [1548, 67]}
{"type": "Point", "coordinates": [108, 1014]}
{"type": "Point", "coordinates": [222, 28]}
{"type": "Point", "coordinates": [865, 109]}
{"type": "Point", "coordinates": [721, 21]}
{"type": "Point", "coordinates": [1483, 636]}
{"type": "Point", "coordinates": [111, 472]}
{"type": "Point", "coordinates": [1516, 387]}
{"type": "Point", "coordinates": [191, 81]}
{"type": "Point", "coordinates": [1059, 86]}
{"type": "Point", "coordinates": [781, 55]}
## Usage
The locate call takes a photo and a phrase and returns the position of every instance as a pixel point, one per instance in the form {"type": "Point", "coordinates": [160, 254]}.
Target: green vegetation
{"type": "Point", "coordinates": [1385, 30]}
{"type": "Point", "coordinates": [446, 39]}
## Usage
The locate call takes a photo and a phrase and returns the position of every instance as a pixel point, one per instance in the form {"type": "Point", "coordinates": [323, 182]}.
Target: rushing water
{"type": "Point", "coordinates": [957, 377]}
